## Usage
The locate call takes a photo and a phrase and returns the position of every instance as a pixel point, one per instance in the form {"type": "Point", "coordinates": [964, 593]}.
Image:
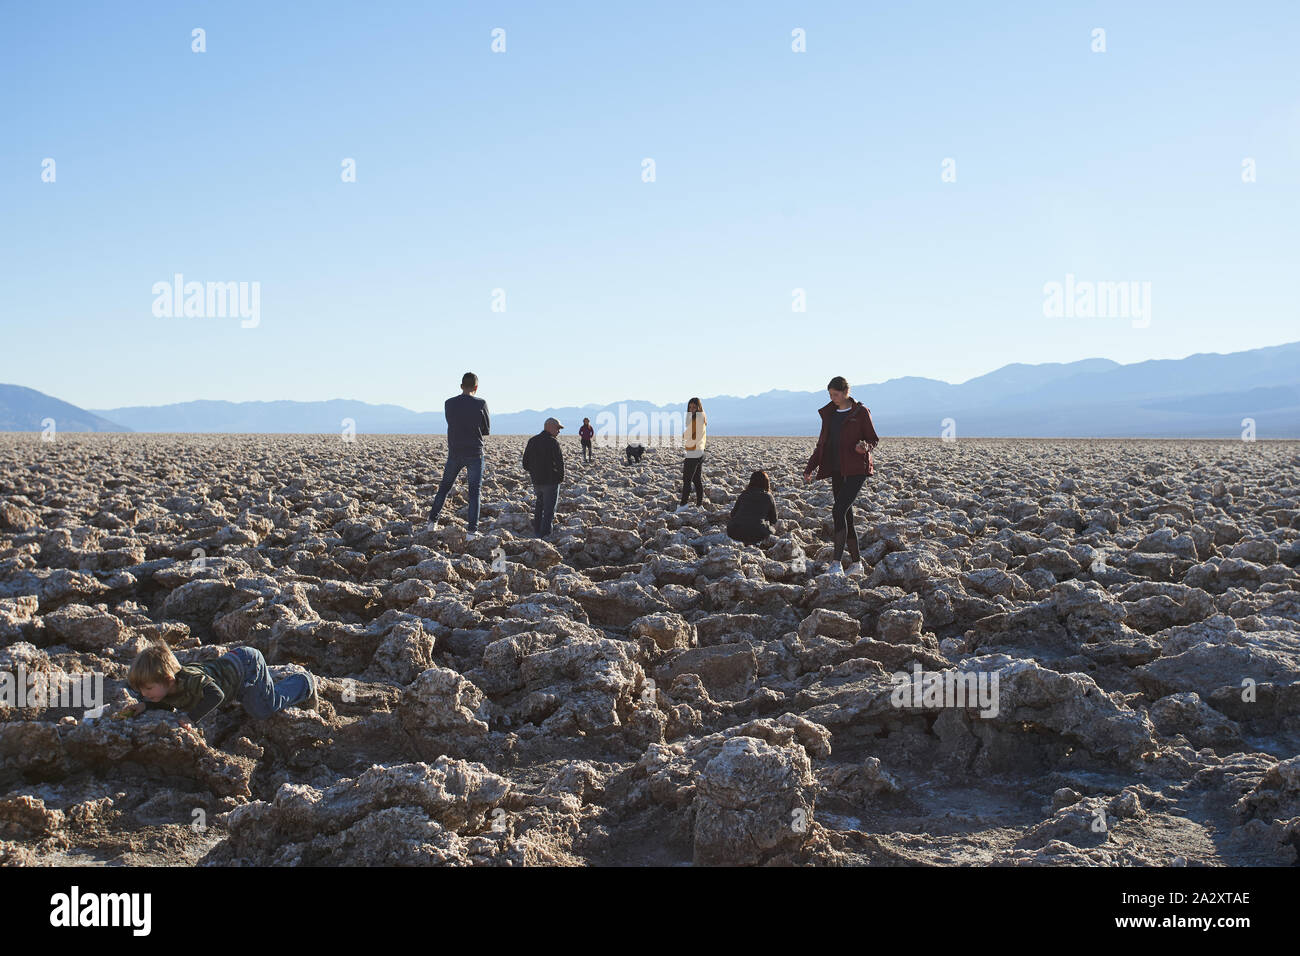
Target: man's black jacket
{"type": "Point", "coordinates": [543, 459]}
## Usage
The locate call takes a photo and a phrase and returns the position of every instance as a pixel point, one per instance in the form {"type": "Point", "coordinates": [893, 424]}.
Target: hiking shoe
{"type": "Point", "coordinates": [834, 568]}
{"type": "Point", "coordinates": [854, 568]}
{"type": "Point", "coordinates": [312, 701]}
{"type": "Point", "coordinates": [681, 509]}
{"type": "Point", "coordinates": [473, 535]}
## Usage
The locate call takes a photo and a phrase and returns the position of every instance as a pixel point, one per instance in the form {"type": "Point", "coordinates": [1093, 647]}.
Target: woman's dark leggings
{"type": "Point", "coordinates": [846, 489]}
{"type": "Point", "coordinates": [691, 475]}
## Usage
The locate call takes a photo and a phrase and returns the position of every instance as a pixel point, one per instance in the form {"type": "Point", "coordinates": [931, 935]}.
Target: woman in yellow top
{"type": "Point", "coordinates": [693, 440]}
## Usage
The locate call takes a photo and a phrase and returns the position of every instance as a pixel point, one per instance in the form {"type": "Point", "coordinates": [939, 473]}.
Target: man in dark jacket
{"type": "Point", "coordinates": [544, 463]}
{"type": "Point", "coordinates": [467, 423]}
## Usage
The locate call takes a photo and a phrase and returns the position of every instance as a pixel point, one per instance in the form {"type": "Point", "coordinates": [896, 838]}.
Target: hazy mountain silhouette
{"type": "Point", "coordinates": [1201, 396]}
{"type": "Point", "coordinates": [280, 416]}
{"type": "Point", "coordinates": [24, 410]}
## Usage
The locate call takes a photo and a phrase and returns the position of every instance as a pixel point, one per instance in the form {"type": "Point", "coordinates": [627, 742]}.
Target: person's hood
{"type": "Point", "coordinates": [829, 407]}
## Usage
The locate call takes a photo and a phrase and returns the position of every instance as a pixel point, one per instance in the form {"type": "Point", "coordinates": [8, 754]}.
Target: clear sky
{"type": "Point", "coordinates": [522, 171]}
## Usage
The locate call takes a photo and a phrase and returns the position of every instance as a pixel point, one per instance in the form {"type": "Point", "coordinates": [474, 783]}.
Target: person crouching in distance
{"type": "Point", "coordinates": [753, 516]}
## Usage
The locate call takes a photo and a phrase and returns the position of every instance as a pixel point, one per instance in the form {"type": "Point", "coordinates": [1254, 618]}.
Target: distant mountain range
{"type": "Point", "coordinates": [1202, 396]}
{"type": "Point", "coordinates": [27, 410]}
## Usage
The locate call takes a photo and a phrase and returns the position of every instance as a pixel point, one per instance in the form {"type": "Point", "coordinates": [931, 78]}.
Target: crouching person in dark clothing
{"type": "Point", "coordinates": [634, 453]}
{"type": "Point", "coordinates": [754, 513]}
{"type": "Point", "coordinates": [544, 463]}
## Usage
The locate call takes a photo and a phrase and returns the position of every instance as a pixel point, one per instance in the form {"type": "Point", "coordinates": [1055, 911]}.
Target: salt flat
{"type": "Point", "coordinates": [639, 689]}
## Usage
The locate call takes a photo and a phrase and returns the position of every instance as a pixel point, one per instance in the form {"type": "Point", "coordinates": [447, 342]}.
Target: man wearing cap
{"type": "Point", "coordinates": [544, 463]}
{"type": "Point", "coordinates": [467, 423]}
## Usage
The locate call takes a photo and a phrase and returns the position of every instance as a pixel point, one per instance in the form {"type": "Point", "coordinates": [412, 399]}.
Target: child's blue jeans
{"type": "Point", "coordinates": [262, 698]}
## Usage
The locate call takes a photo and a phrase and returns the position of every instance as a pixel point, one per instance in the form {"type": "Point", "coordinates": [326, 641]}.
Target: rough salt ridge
{"type": "Point", "coordinates": [640, 689]}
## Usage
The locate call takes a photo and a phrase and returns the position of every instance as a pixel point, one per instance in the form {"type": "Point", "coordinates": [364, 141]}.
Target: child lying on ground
{"type": "Point", "coordinates": [199, 689]}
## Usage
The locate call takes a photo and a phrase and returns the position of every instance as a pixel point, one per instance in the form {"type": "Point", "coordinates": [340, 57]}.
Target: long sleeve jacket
{"type": "Point", "coordinates": [857, 427]}
{"type": "Point", "coordinates": [543, 459]}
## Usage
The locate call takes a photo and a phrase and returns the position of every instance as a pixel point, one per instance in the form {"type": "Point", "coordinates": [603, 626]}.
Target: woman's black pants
{"type": "Point", "coordinates": [846, 488]}
{"type": "Point", "coordinates": [691, 476]}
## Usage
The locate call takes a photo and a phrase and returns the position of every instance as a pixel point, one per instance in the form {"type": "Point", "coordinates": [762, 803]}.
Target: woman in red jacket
{"type": "Point", "coordinates": [843, 454]}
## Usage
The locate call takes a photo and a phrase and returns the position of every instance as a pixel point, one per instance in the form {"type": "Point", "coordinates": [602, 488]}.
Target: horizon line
{"type": "Point", "coordinates": [899, 378]}
{"type": "Point", "coordinates": [807, 436]}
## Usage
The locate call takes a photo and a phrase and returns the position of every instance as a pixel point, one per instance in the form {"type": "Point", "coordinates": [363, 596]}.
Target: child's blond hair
{"type": "Point", "coordinates": [156, 664]}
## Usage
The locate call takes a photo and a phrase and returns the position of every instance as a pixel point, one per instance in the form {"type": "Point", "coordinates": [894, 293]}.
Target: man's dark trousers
{"type": "Point", "coordinates": [544, 510]}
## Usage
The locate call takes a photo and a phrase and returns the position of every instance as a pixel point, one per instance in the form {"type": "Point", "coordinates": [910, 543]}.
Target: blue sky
{"type": "Point", "coordinates": [521, 171]}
